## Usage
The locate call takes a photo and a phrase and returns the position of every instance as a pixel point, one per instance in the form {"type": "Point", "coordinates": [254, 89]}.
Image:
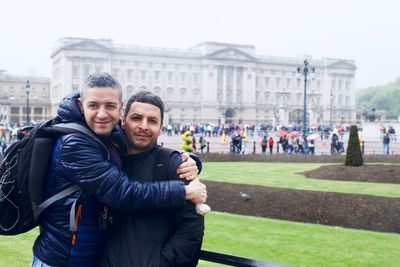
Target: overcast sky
{"type": "Point", "coordinates": [363, 30]}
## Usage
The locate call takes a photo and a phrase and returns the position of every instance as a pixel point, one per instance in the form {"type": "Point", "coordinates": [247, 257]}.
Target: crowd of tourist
{"type": "Point", "coordinates": [282, 139]}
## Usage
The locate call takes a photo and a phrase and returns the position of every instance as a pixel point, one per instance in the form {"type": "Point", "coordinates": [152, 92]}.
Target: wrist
{"type": "Point", "coordinates": [188, 192]}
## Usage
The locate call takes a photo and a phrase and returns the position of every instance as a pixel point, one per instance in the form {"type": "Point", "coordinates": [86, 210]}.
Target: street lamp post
{"type": "Point", "coordinates": [330, 110]}
{"type": "Point", "coordinates": [305, 71]}
{"type": "Point", "coordinates": [27, 90]}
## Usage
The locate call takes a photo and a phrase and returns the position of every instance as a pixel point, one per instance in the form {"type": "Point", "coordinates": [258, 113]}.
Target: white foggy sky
{"type": "Point", "coordinates": [364, 30]}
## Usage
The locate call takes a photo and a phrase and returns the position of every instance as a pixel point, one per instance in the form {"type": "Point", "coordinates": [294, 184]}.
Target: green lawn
{"type": "Point", "coordinates": [276, 241]}
{"type": "Point", "coordinates": [17, 250]}
{"type": "Point", "coordinates": [284, 175]}
{"type": "Point", "coordinates": [298, 244]}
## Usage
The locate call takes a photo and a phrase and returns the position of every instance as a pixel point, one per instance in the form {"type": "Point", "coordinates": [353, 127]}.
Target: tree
{"type": "Point", "coordinates": [353, 154]}
{"type": "Point", "coordinates": [384, 97]}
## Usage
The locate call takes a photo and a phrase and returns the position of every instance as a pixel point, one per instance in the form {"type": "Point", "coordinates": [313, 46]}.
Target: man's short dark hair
{"type": "Point", "coordinates": [148, 98]}
{"type": "Point", "coordinates": [101, 80]}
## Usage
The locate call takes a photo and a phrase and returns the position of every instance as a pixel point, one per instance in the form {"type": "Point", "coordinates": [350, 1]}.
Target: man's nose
{"type": "Point", "coordinates": [144, 124]}
{"type": "Point", "coordinates": [102, 113]}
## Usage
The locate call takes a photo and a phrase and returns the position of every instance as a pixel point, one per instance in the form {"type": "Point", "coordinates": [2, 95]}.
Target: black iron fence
{"type": "Point", "coordinates": [232, 260]}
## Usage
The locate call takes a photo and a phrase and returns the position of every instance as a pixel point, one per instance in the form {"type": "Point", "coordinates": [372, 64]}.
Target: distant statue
{"type": "Point", "coordinates": [370, 115]}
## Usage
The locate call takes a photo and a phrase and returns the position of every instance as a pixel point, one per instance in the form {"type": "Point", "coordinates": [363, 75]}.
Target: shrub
{"type": "Point", "coordinates": [187, 145]}
{"type": "Point", "coordinates": [353, 153]}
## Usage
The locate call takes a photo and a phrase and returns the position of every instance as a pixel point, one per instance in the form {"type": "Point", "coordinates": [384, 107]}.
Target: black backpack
{"type": "Point", "coordinates": [23, 170]}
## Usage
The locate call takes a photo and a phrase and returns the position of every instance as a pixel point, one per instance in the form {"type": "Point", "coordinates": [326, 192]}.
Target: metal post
{"type": "Point", "coordinates": [27, 90]}
{"type": "Point", "coordinates": [208, 147]}
{"type": "Point", "coordinates": [305, 101]}
{"type": "Point", "coordinates": [330, 110]}
{"type": "Point", "coordinates": [305, 71]}
{"type": "Point", "coordinates": [254, 147]}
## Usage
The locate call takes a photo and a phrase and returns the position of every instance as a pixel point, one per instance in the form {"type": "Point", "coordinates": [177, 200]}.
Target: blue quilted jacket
{"type": "Point", "coordinates": [79, 160]}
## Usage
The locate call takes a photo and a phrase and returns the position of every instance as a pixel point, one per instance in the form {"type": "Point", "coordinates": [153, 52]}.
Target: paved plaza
{"type": "Point", "coordinates": [322, 147]}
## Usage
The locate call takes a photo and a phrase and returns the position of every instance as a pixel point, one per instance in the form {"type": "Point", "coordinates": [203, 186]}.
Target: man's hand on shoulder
{"type": "Point", "coordinates": [188, 169]}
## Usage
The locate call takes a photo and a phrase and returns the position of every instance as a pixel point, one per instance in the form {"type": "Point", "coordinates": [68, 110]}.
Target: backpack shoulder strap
{"type": "Point", "coordinates": [72, 127]}
{"type": "Point", "coordinates": [38, 209]}
{"type": "Point", "coordinates": [161, 164]}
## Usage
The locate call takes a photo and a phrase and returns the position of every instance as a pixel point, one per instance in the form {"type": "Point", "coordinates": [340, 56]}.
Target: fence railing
{"type": "Point", "coordinates": [232, 260]}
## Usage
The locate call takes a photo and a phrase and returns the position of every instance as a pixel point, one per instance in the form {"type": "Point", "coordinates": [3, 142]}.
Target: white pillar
{"type": "Point", "coordinates": [234, 85]}
{"type": "Point", "coordinates": [224, 84]}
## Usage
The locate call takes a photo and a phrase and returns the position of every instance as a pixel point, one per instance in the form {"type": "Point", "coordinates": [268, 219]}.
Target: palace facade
{"type": "Point", "coordinates": [213, 82]}
{"type": "Point", "coordinates": [14, 100]}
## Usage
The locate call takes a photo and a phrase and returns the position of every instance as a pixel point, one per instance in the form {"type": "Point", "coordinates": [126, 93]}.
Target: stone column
{"type": "Point", "coordinates": [234, 84]}
{"type": "Point", "coordinates": [224, 84]}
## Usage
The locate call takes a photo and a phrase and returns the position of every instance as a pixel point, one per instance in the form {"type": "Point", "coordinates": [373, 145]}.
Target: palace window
{"type": "Point", "coordinates": [183, 94]}
{"type": "Point", "coordinates": [14, 110]}
{"type": "Point", "coordinates": [75, 71]}
{"type": "Point", "coordinates": [347, 100]}
{"type": "Point", "coordinates": [277, 81]}
{"type": "Point", "coordinates": [195, 77]}
{"type": "Point", "coordinates": [37, 110]}
{"type": "Point", "coordinates": [143, 75]}
{"type": "Point", "coordinates": [157, 75]}
{"type": "Point", "coordinates": [266, 81]}
{"type": "Point", "coordinates": [86, 70]}
{"type": "Point", "coordinates": [170, 76]}
{"type": "Point", "coordinates": [183, 77]}
{"type": "Point", "coordinates": [347, 85]}
{"type": "Point", "coordinates": [129, 74]}
{"type": "Point", "coordinates": [115, 72]}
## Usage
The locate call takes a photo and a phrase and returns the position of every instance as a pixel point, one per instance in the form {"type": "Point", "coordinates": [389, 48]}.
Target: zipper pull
{"type": "Point", "coordinates": [105, 214]}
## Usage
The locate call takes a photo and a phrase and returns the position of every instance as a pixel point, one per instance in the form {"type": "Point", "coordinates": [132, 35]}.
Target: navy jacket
{"type": "Point", "coordinates": [79, 160]}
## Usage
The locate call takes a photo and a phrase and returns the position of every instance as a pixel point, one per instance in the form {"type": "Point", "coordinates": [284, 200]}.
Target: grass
{"type": "Point", "coordinates": [298, 244]}
{"type": "Point", "coordinates": [16, 251]}
{"type": "Point", "coordinates": [275, 241]}
{"type": "Point", "coordinates": [285, 175]}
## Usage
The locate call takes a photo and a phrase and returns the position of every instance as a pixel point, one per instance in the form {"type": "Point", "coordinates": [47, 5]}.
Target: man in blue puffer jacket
{"type": "Point", "coordinates": [78, 159]}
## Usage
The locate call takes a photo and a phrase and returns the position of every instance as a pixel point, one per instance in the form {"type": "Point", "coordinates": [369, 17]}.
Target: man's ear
{"type": "Point", "coordinates": [123, 120]}
{"type": "Point", "coordinates": [121, 108]}
{"type": "Point", "coordinates": [79, 102]}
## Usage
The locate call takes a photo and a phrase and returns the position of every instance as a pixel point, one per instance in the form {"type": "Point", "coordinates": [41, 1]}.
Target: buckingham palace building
{"type": "Point", "coordinates": [213, 82]}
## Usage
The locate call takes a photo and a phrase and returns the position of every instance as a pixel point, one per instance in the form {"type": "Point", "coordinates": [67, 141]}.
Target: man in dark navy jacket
{"type": "Point", "coordinates": [151, 238]}
{"type": "Point", "coordinates": [80, 160]}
